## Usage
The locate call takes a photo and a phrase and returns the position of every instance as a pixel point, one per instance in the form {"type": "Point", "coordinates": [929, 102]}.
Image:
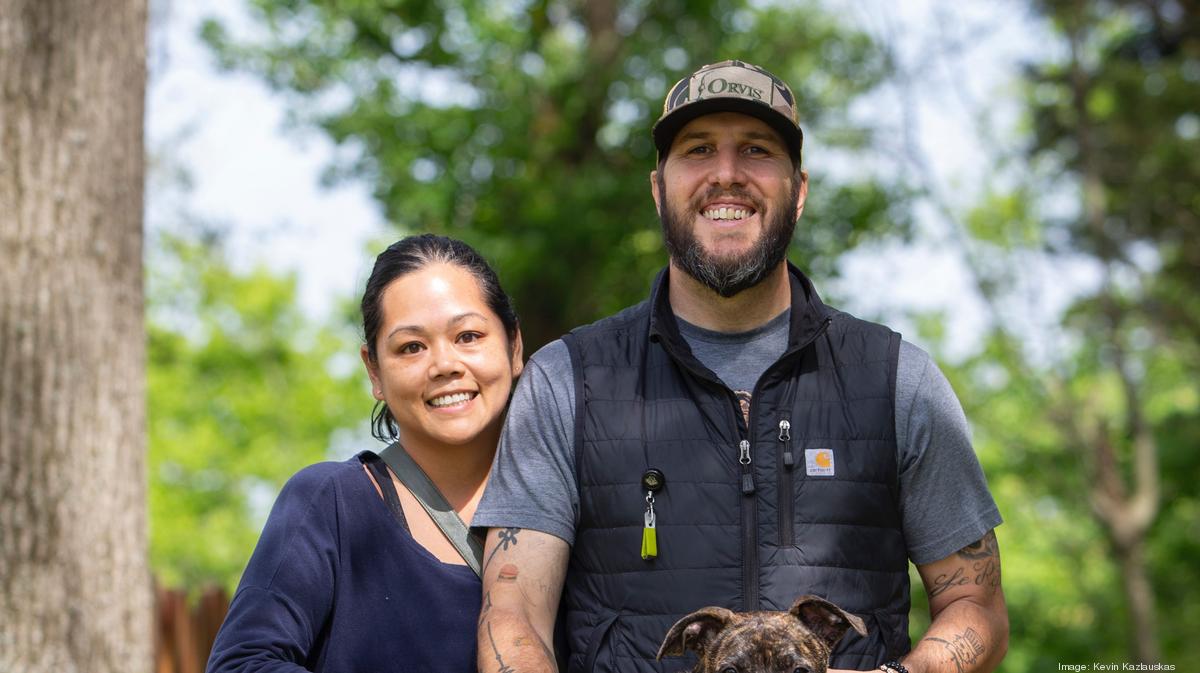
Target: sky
{"type": "Point", "coordinates": [249, 172]}
{"type": "Point", "coordinates": [259, 178]}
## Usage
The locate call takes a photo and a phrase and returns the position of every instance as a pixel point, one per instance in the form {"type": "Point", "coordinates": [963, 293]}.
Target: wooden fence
{"type": "Point", "coordinates": [186, 629]}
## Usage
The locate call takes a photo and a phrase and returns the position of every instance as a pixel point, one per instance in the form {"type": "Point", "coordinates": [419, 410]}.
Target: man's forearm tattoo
{"type": "Point", "coordinates": [985, 548]}
{"type": "Point", "coordinates": [984, 557]}
{"type": "Point", "coordinates": [943, 583]}
{"type": "Point", "coordinates": [508, 538]}
{"type": "Point", "coordinates": [963, 650]}
{"type": "Point", "coordinates": [508, 575]}
{"type": "Point", "coordinates": [527, 641]}
{"type": "Point", "coordinates": [486, 606]}
{"type": "Point", "coordinates": [504, 668]}
{"type": "Point", "coordinates": [989, 574]}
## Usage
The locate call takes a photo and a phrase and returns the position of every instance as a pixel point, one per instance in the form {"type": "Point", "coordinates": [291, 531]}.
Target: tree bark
{"type": "Point", "coordinates": [75, 591]}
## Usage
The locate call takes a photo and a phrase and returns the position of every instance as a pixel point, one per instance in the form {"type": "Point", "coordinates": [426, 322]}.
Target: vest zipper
{"type": "Point", "coordinates": [787, 533]}
{"type": "Point", "coordinates": [750, 560]}
{"type": "Point", "coordinates": [747, 470]}
{"type": "Point", "coordinates": [749, 530]}
{"type": "Point", "coordinates": [787, 459]}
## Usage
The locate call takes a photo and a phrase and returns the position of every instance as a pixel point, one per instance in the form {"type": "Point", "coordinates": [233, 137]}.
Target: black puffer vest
{"type": "Point", "coordinates": [803, 499]}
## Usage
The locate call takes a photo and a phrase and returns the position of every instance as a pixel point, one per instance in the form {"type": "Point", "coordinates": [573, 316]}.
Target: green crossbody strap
{"type": "Point", "coordinates": [427, 493]}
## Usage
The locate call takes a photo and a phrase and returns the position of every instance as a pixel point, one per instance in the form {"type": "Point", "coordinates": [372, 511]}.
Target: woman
{"type": "Point", "coordinates": [350, 573]}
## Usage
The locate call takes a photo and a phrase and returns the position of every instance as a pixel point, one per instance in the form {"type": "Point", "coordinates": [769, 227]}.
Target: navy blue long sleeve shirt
{"type": "Point", "coordinates": [337, 585]}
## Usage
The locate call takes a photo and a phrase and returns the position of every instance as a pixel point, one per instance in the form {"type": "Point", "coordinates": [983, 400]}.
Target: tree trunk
{"type": "Point", "coordinates": [1140, 597]}
{"type": "Point", "coordinates": [75, 591]}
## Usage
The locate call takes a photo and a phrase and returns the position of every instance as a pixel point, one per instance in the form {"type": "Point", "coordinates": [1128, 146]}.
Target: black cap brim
{"type": "Point", "coordinates": [666, 128]}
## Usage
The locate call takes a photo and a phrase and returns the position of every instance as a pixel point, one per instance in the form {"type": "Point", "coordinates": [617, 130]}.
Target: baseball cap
{"type": "Point", "coordinates": [730, 86]}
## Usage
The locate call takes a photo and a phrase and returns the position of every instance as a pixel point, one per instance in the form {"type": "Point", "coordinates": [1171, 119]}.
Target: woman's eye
{"type": "Point", "coordinates": [469, 337]}
{"type": "Point", "coordinates": [410, 348]}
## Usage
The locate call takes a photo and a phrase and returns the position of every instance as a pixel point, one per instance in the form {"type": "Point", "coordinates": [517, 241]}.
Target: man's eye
{"type": "Point", "coordinates": [699, 149]}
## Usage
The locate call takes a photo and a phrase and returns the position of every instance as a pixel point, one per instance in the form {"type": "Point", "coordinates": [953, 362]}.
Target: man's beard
{"type": "Point", "coordinates": [729, 275]}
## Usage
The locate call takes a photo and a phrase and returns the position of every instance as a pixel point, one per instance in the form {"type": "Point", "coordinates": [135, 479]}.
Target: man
{"type": "Point", "coordinates": [733, 441]}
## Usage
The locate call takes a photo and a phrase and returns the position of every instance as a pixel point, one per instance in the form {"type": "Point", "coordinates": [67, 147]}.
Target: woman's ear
{"type": "Point", "coordinates": [372, 372]}
{"type": "Point", "coordinates": [518, 355]}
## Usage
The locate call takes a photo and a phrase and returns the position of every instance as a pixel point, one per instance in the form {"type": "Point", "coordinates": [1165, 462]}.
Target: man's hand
{"type": "Point", "coordinates": [969, 628]}
{"type": "Point", "coordinates": [523, 573]}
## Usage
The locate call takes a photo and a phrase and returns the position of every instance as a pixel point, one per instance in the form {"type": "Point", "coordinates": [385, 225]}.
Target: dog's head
{"type": "Point", "coordinates": [797, 641]}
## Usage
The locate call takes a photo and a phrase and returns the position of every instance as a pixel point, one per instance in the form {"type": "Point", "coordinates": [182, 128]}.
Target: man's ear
{"type": "Point", "coordinates": [654, 191]}
{"type": "Point", "coordinates": [694, 632]}
{"type": "Point", "coordinates": [802, 193]}
{"type": "Point", "coordinates": [826, 620]}
{"type": "Point", "coordinates": [372, 371]}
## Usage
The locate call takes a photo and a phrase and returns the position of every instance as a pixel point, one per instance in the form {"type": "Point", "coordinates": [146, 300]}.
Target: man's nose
{"type": "Point", "coordinates": [728, 169]}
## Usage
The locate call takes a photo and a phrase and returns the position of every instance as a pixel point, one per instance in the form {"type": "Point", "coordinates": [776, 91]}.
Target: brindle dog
{"type": "Point", "coordinates": [797, 641]}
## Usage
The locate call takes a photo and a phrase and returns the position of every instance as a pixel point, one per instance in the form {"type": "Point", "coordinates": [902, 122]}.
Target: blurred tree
{"type": "Point", "coordinates": [524, 128]}
{"type": "Point", "coordinates": [244, 390]}
{"type": "Point", "coordinates": [1101, 421]}
{"type": "Point", "coordinates": [75, 590]}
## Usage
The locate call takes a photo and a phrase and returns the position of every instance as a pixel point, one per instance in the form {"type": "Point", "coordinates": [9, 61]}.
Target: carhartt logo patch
{"type": "Point", "coordinates": [818, 462]}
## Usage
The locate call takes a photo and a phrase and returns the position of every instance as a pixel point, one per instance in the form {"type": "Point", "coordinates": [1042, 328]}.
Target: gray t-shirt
{"type": "Point", "coordinates": [944, 500]}
{"type": "Point", "coordinates": [738, 358]}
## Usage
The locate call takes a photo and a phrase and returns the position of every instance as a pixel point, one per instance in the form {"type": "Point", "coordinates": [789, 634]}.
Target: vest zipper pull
{"type": "Point", "coordinates": [649, 530]}
{"type": "Point", "coordinates": [747, 471]}
{"type": "Point", "coordinates": [785, 436]}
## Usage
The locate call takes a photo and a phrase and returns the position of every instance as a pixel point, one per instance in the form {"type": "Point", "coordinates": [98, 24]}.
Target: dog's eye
{"type": "Point", "coordinates": [801, 669]}
{"type": "Point", "coordinates": [729, 669]}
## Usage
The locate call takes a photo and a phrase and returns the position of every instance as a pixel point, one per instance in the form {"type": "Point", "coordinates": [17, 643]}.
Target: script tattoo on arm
{"type": "Point", "coordinates": [943, 583]}
{"type": "Point", "coordinates": [983, 557]}
{"type": "Point", "coordinates": [963, 650]}
{"type": "Point", "coordinates": [968, 630]}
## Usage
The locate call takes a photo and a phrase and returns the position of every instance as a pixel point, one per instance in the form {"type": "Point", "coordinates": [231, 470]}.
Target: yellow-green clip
{"type": "Point", "coordinates": [649, 532]}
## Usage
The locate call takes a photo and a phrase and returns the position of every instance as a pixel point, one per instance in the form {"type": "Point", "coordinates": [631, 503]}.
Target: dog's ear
{"type": "Point", "coordinates": [826, 620]}
{"type": "Point", "coordinates": [694, 632]}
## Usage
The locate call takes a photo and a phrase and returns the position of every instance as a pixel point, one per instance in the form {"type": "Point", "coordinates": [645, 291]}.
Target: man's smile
{"type": "Point", "coordinates": [727, 212]}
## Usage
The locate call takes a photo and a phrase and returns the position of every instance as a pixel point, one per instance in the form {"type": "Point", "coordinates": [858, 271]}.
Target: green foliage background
{"type": "Point", "coordinates": [523, 128]}
{"type": "Point", "coordinates": [242, 392]}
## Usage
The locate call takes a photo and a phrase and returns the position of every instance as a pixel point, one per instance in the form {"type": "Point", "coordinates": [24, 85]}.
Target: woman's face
{"type": "Point", "coordinates": [444, 365]}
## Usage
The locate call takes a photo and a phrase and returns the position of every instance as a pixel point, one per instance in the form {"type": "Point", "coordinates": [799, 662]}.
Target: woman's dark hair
{"type": "Point", "coordinates": [414, 253]}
